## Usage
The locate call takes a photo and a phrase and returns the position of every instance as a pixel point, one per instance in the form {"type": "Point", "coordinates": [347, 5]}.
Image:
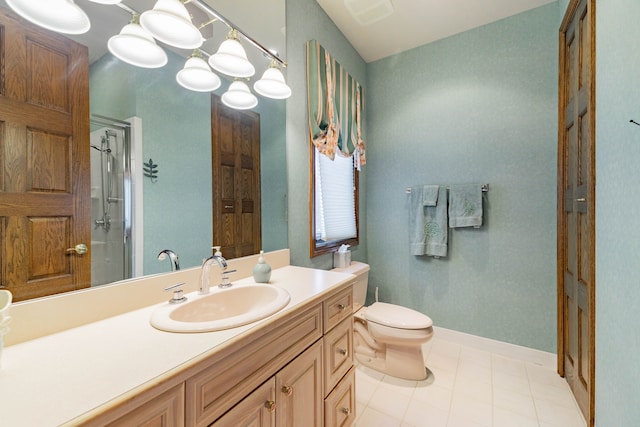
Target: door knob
{"type": "Point", "coordinates": [79, 249]}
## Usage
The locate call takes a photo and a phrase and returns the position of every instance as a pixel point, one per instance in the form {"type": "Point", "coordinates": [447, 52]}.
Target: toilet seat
{"type": "Point", "coordinates": [396, 316]}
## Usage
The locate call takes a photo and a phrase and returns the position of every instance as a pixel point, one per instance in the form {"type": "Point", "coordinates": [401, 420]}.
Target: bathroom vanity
{"type": "Point", "coordinates": [293, 368]}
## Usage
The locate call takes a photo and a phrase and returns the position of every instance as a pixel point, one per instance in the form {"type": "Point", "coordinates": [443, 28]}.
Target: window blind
{"type": "Point", "coordinates": [335, 198]}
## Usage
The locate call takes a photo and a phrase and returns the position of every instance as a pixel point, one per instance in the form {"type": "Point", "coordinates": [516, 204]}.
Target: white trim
{"type": "Point", "coordinates": [137, 202]}
{"type": "Point", "coordinates": [526, 354]}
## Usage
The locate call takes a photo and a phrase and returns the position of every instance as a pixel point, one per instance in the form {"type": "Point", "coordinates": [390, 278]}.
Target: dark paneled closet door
{"type": "Point", "coordinates": [576, 204]}
{"type": "Point", "coordinates": [235, 148]}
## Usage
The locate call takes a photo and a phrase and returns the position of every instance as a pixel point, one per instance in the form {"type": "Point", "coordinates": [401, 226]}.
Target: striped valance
{"type": "Point", "coordinates": [335, 104]}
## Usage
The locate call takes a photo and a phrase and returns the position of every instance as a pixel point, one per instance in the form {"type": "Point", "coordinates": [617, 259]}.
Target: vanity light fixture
{"type": "Point", "coordinates": [272, 84]}
{"type": "Point", "coordinates": [231, 58]}
{"type": "Point", "coordinates": [135, 46]}
{"type": "Point", "coordinates": [62, 16]}
{"type": "Point", "coordinates": [170, 22]}
{"type": "Point", "coordinates": [239, 96]}
{"type": "Point", "coordinates": [197, 76]}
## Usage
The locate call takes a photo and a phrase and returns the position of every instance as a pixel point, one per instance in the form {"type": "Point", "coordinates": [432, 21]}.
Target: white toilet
{"type": "Point", "coordinates": [387, 337]}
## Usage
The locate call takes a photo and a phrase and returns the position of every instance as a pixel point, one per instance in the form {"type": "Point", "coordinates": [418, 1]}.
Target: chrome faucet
{"type": "Point", "coordinates": [204, 278]}
{"type": "Point", "coordinates": [175, 265]}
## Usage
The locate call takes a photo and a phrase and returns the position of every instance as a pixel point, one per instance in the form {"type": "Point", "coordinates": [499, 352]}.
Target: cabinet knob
{"type": "Point", "coordinates": [341, 307]}
{"type": "Point", "coordinates": [346, 411]}
{"type": "Point", "coordinates": [342, 351]}
{"type": "Point", "coordinates": [287, 390]}
{"type": "Point", "coordinates": [79, 249]}
{"type": "Point", "coordinates": [270, 405]}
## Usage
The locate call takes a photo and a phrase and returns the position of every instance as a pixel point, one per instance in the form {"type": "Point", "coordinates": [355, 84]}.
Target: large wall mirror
{"type": "Point", "coordinates": [171, 136]}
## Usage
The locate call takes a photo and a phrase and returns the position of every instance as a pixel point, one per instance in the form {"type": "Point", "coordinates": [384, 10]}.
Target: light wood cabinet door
{"type": "Point", "coordinates": [291, 398]}
{"type": "Point", "coordinates": [299, 390]}
{"type": "Point", "coordinates": [340, 405]}
{"type": "Point", "coordinates": [224, 382]}
{"type": "Point", "coordinates": [255, 410]}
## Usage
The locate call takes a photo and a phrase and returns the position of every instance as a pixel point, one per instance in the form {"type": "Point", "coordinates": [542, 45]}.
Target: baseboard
{"type": "Point", "coordinates": [537, 357]}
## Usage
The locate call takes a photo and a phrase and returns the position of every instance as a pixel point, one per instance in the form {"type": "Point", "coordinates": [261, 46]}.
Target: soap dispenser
{"type": "Point", "coordinates": [262, 270]}
{"type": "Point", "coordinates": [217, 250]}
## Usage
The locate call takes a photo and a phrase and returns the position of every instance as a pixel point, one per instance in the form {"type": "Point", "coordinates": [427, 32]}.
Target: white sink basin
{"type": "Point", "coordinates": [221, 308]}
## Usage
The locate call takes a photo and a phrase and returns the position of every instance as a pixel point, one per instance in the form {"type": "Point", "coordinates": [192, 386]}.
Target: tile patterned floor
{"type": "Point", "coordinates": [469, 388]}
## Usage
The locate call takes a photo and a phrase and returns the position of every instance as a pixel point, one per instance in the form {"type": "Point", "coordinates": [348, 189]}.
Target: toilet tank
{"type": "Point", "coordinates": [361, 271]}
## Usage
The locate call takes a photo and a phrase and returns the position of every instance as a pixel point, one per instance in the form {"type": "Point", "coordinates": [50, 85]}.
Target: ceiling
{"type": "Point", "coordinates": [413, 23]}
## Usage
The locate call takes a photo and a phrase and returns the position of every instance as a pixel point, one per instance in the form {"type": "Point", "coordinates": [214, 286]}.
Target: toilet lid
{"type": "Point", "coordinates": [396, 316]}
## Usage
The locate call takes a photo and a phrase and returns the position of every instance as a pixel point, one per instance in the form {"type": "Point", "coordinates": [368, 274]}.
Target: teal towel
{"type": "Point", "coordinates": [430, 195]}
{"type": "Point", "coordinates": [465, 205]}
{"type": "Point", "coordinates": [428, 224]}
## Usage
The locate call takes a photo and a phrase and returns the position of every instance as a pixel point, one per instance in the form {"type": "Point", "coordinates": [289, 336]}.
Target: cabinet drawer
{"type": "Point", "coordinates": [257, 409]}
{"type": "Point", "coordinates": [338, 353]}
{"type": "Point", "coordinates": [166, 409]}
{"type": "Point", "coordinates": [337, 308]}
{"type": "Point", "coordinates": [340, 405]}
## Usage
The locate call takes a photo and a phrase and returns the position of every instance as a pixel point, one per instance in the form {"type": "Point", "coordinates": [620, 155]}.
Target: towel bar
{"type": "Point", "coordinates": [485, 189]}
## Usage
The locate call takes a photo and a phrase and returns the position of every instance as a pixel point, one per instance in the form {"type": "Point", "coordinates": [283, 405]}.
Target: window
{"type": "Point", "coordinates": [335, 203]}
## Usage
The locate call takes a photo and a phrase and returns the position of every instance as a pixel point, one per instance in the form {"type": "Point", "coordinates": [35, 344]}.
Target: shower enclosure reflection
{"type": "Point", "coordinates": [111, 202]}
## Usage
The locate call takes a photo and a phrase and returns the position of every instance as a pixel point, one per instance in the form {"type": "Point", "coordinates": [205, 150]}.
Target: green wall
{"type": "Point", "coordinates": [617, 228]}
{"type": "Point", "coordinates": [476, 107]}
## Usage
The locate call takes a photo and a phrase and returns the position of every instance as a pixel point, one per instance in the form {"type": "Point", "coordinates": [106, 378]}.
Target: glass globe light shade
{"type": "Point", "coordinates": [62, 16]}
{"type": "Point", "coordinates": [231, 59]}
{"type": "Point", "coordinates": [196, 75]}
{"type": "Point", "coordinates": [272, 84]}
{"type": "Point", "coordinates": [239, 96]}
{"type": "Point", "coordinates": [169, 22]}
{"type": "Point", "coordinates": [135, 46]}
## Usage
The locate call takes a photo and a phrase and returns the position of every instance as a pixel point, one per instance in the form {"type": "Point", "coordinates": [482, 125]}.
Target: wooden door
{"type": "Point", "coordinates": [44, 160]}
{"type": "Point", "coordinates": [299, 390]}
{"type": "Point", "coordinates": [576, 204]}
{"type": "Point", "coordinates": [235, 148]}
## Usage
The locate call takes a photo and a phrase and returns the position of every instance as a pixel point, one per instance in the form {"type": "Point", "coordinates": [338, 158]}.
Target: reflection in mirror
{"type": "Point", "coordinates": [173, 126]}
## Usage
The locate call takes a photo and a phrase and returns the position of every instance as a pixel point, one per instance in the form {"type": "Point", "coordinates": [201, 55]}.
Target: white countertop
{"type": "Point", "coordinates": [51, 380]}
